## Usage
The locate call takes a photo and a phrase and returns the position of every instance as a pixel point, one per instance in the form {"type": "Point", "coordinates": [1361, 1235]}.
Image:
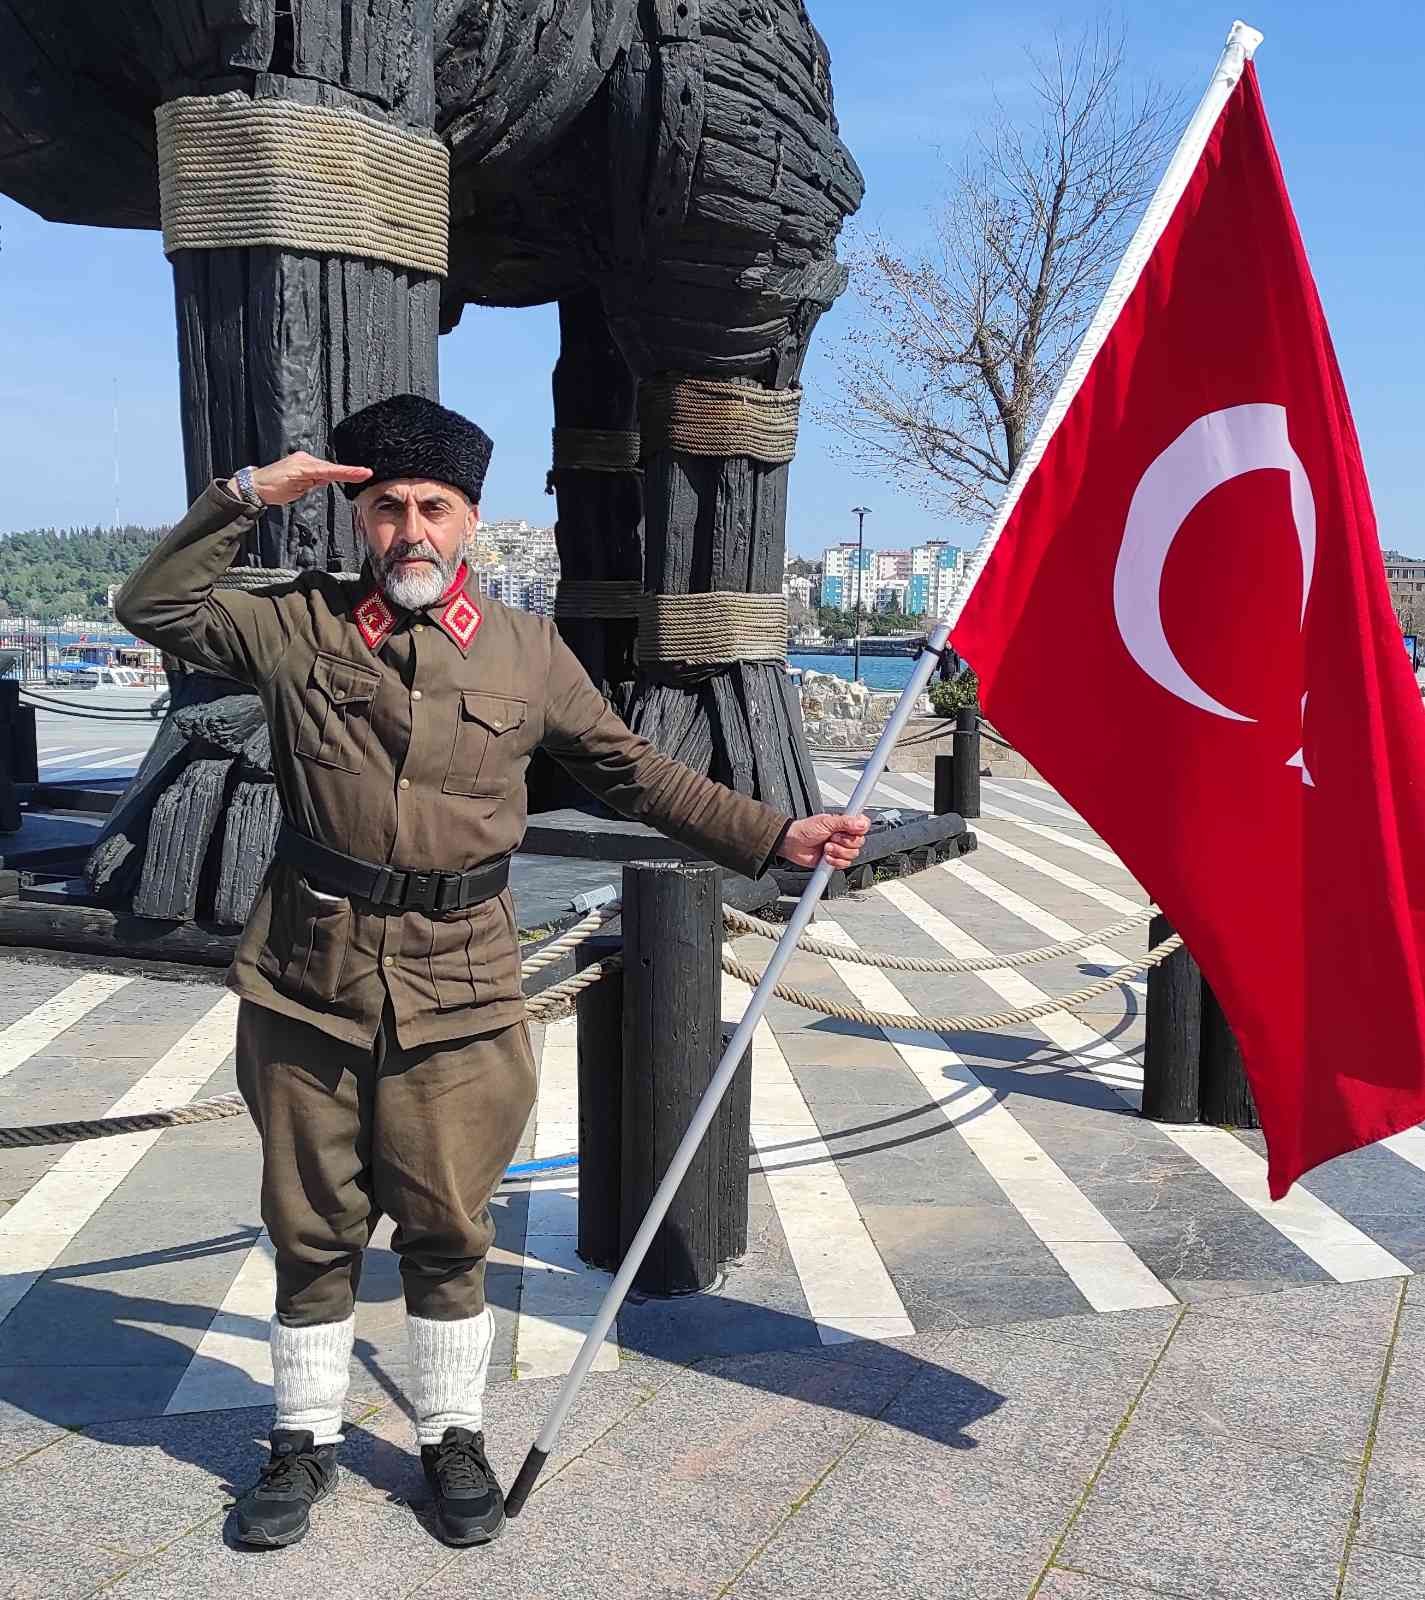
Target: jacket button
{"type": "Point", "coordinates": [415, 694]}
{"type": "Point", "coordinates": [420, 627]}
{"type": "Point", "coordinates": [405, 783]}
{"type": "Point", "coordinates": [497, 723]}
{"type": "Point", "coordinates": [390, 961]}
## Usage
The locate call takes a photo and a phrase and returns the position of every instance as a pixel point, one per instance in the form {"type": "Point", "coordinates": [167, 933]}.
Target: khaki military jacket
{"type": "Point", "coordinates": [402, 738]}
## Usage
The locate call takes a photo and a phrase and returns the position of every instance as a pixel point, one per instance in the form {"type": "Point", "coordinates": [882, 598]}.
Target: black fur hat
{"type": "Point", "coordinates": [411, 437]}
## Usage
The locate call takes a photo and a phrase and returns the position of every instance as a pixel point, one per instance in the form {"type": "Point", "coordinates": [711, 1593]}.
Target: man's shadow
{"type": "Point", "coordinates": [230, 1444]}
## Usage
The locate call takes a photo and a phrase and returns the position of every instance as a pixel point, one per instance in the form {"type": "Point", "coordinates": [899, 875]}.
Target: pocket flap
{"type": "Point", "coordinates": [343, 682]}
{"type": "Point", "coordinates": [493, 711]}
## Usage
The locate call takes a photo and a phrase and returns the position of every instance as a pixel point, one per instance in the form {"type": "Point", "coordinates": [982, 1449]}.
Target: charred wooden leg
{"type": "Point", "coordinates": [599, 529]}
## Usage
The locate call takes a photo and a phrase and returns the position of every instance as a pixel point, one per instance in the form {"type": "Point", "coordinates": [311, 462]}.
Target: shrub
{"type": "Point", "coordinates": [948, 698]}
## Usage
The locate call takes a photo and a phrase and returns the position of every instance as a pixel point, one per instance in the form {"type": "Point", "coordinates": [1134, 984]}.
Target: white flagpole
{"type": "Point", "coordinates": [1241, 42]}
{"type": "Point", "coordinates": [717, 1088]}
{"type": "Point", "coordinates": [1241, 45]}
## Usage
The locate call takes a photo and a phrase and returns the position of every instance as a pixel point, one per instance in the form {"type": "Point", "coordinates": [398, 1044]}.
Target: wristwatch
{"type": "Point", "coordinates": [243, 479]}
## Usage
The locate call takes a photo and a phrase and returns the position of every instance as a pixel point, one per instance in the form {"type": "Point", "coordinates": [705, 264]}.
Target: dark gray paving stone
{"type": "Point", "coordinates": [25, 985]}
{"type": "Point", "coordinates": [76, 1396]}
{"type": "Point", "coordinates": [139, 1283]}
{"type": "Point", "coordinates": [1275, 1385]}
{"type": "Point", "coordinates": [1383, 1575]}
{"type": "Point", "coordinates": [1215, 1518]}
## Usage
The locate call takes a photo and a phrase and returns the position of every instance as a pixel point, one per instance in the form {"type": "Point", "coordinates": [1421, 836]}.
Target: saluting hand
{"type": "Point", "coordinates": [295, 475]}
{"type": "Point", "coordinates": [837, 838]}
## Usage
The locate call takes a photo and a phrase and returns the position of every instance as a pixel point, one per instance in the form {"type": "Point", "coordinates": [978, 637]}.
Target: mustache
{"type": "Point", "coordinates": [421, 550]}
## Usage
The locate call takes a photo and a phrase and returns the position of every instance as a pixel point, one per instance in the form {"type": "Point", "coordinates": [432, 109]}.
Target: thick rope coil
{"type": "Point", "coordinates": [570, 939]}
{"type": "Point", "coordinates": [740, 922]}
{"type": "Point", "coordinates": [596, 449]}
{"type": "Point", "coordinates": [608, 599]}
{"type": "Point", "coordinates": [705, 629]}
{"type": "Point", "coordinates": [912, 1022]}
{"type": "Point", "coordinates": [709, 417]}
{"type": "Point", "coordinates": [254, 577]}
{"type": "Point", "coordinates": [235, 171]}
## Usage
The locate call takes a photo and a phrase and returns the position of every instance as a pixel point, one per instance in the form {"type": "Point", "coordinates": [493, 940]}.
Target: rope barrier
{"type": "Point", "coordinates": [711, 417]}
{"type": "Point", "coordinates": [557, 1002]}
{"type": "Point", "coordinates": [740, 922]}
{"type": "Point", "coordinates": [234, 171]}
{"type": "Point", "coordinates": [913, 1022]}
{"type": "Point", "coordinates": [552, 1005]}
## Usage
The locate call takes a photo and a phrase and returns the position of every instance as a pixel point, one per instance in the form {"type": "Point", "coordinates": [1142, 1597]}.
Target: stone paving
{"type": "Point", "coordinates": [994, 1335]}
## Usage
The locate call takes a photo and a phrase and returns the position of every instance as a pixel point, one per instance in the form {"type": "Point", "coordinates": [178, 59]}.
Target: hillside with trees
{"type": "Point", "coordinates": [49, 573]}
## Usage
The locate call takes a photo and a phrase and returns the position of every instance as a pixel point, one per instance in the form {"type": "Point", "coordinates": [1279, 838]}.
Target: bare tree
{"type": "Point", "coordinates": [958, 350]}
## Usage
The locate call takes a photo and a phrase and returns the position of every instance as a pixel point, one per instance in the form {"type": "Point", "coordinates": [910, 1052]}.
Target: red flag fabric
{"type": "Point", "coordinates": [1184, 625]}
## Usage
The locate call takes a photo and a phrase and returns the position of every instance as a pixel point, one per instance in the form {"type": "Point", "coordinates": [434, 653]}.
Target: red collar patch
{"type": "Point", "coordinates": [375, 620]}
{"type": "Point", "coordinates": [461, 619]}
{"type": "Point", "coordinates": [459, 616]}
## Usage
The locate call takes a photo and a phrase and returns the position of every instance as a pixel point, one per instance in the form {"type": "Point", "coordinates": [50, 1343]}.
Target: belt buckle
{"type": "Point", "coordinates": [422, 889]}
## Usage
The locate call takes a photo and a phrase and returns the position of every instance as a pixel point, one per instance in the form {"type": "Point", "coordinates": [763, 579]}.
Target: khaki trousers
{"type": "Point", "coordinates": [350, 1134]}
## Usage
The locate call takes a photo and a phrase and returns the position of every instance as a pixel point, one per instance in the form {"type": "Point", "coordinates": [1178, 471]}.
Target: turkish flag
{"type": "Point", "coordinates": [1185, 626]}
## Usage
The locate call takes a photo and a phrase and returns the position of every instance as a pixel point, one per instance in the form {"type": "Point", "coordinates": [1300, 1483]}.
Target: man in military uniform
{"type": "Point", "coordinates": [382, 1046]}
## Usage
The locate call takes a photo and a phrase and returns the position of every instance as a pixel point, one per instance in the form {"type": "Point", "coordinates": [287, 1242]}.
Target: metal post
{"type": "Point", "coordinates": [966, 762]}
{"type": "Point", "coordinates": [861, 513]}
{"type": "Point", "coordinates": [1173, 1046]}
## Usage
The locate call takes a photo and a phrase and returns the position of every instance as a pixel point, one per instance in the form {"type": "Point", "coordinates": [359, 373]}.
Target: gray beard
{"type": "Point", "coordinates": [414, 591]}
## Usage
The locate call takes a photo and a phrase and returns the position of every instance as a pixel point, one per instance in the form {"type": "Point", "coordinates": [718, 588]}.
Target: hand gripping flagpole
{"type": "Point", "coordinates": [727, 1069]}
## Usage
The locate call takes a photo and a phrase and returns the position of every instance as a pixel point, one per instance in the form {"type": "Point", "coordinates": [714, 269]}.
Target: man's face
{"type": "Point", "coordinates": [417, 531]}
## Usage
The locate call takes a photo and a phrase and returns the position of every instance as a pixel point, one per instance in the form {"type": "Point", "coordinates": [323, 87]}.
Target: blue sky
{"type": "Point", "coordinates": [83, 309]}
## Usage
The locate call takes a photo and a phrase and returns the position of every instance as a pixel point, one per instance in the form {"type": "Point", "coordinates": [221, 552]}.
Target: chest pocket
{"type": "Point", "coordinates": [486, 745]}
{"type": "Point", "coordinates": [336, 713]}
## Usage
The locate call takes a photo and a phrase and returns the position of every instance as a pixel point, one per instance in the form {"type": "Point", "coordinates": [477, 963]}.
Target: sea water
{"type": "Point", "coordinates": [883, 673]}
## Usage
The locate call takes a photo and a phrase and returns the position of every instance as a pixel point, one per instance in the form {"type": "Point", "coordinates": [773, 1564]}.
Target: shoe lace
{"type": "Point", "coordinates": [461, 1466]}
{"type": "Point", "coordinates": [288, 1473]}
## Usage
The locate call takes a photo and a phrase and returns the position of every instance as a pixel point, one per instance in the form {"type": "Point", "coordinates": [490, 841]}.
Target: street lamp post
{"type": "Point", "coordinates": [860, 513]}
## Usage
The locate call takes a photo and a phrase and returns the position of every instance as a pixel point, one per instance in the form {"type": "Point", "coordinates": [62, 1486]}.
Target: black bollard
{"type": "Point", "coordinates": [1174, 1031]}
{"type": "Point", "coordinates": [672, 1034]}
{"type": "Point", "coordinates": [965, 762]}
{"type": "Point", "coordinates": [600, 1020]}
{"type": "Point", "coordinates": [1225, 1096]}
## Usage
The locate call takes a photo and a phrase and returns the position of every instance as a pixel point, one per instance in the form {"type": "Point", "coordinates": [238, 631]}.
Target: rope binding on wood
{"type": "Point", "coordinates": [596, 449]}
{"type": "Point", "coordinates": [713, 417]}
{"type": "Point", "coordinates": [608, 599]}
{"type": "Point", "coordinates": [695, 630]}
{"type": "Point", "coordinates": [235, 171]}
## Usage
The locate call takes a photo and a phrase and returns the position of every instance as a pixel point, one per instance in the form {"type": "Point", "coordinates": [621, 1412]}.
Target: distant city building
{"type": "Point", "coordinates": [1405, 577]}
{"type": "Point", "coordinates": [800, 591]}
{"type": "Point", "coordinates": [518, 565]}
{"type": "Point", "coordinates": [917, 581]}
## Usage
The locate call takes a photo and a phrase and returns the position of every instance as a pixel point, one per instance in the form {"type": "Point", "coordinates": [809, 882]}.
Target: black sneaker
{"type": "Point", "coordinates": [275, 1511]}
{"type": "Point", "coordinates": [469, 1504]}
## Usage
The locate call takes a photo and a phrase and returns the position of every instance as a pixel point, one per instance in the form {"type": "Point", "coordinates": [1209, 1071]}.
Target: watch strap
{"type": "Point", "coordinates": [243, 479]}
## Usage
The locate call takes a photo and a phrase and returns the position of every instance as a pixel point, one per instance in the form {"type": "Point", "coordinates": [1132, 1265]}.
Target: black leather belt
{"type": "Point", "coordinates": [392, 888]}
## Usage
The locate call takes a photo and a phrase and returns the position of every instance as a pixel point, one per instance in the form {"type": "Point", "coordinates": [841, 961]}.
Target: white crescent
{"type": "Point", "coordinates": [1215, 449]}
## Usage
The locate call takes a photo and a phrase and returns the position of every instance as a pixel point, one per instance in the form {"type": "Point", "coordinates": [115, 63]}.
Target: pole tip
{"type": "Point", "coordinates": [524, 1482]}
{"type": "Point", "coordinates": [1244, 37]}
